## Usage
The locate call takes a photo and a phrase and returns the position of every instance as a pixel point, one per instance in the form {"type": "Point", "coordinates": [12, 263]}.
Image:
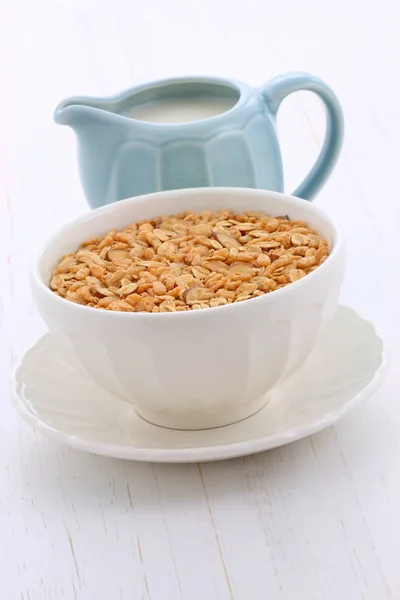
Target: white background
{"type": "Point", "coordinates": [318, 519]}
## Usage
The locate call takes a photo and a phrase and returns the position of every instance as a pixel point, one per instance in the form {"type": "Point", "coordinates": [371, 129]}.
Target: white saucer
{"type": "Point", "coordinates": [346, 367]}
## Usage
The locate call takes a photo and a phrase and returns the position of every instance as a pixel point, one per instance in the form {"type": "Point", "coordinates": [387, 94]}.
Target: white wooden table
{"type": "Point", "coordinates": [318, 519]}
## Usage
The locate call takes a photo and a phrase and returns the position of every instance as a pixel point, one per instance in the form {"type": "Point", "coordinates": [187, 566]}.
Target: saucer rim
{"type": "Point", "coordinates": [197, 454]}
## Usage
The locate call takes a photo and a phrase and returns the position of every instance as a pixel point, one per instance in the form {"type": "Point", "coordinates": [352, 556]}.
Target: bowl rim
{"type": "Point", "coordinates": [38, 283]}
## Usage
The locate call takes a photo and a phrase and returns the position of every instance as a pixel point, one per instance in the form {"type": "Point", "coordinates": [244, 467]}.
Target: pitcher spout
{"type": "Point", "coordinates": [99, 132]}
{"type": "Point", "coordinates": [78, 111]}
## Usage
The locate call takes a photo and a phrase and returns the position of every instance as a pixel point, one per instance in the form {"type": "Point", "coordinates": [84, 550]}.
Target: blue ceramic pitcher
{"type": "Point", "coordinates": [226, 138]}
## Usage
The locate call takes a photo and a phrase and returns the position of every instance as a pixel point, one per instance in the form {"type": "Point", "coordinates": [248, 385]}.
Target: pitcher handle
{"type": "Point", "coordinates": [276, 90]}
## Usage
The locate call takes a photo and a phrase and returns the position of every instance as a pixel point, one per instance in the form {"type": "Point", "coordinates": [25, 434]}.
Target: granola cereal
{"type": "Point", "coordinates": [189, 261]}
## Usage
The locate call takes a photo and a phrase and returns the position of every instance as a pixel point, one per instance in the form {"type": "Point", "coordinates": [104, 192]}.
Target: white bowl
{"type": "Point", "coordinates": [204, 368]}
